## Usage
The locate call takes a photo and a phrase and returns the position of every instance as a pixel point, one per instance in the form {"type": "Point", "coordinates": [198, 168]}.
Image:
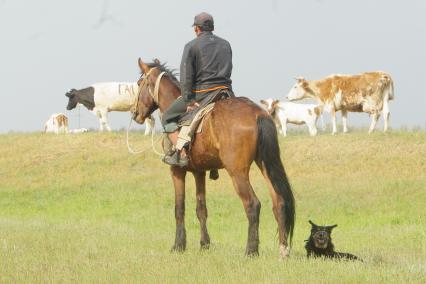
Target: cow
{"type": "Point", "coordinates": [288, 112]}
{"type": "Point", "coordinates": [57, 123]}
{"type": "Point", "coordinates": [368, 92]}
{"type": "Point", "coordinates": [101, 98]}
{"type": "Point", "coordinates": [78, 130]}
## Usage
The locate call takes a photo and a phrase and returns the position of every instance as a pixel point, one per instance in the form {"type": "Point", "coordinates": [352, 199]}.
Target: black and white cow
{"type": "Point", "coordinates": [102, 98]}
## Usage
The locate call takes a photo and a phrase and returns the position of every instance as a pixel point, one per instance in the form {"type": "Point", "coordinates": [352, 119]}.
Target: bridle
{"type": "Point", "coordinates": [154, 94]}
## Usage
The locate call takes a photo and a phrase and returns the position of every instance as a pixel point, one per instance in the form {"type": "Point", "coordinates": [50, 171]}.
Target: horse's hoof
{"type": "Point", "coordinates": [284, 252]}
{"type": "Point", "coordinates": [253, 253]}
{"type": "Point", "coordinates": [204, 246]}
{"type": "Point", "coordinates": [178, 248]}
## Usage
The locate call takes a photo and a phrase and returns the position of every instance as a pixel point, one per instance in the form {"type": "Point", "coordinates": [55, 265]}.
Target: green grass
{"type": "Point", "coordinates": [79, 208]}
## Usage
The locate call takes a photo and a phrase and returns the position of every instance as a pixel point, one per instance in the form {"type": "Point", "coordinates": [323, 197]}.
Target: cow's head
{"type": "Point", "coordinates": [321, 235]}
{"type": "Point", "coordinates": [72, 99]}
{"type": "Point", "coordinates": [300, 90]}
{"type": "Point", "coordinates": [271, 106]}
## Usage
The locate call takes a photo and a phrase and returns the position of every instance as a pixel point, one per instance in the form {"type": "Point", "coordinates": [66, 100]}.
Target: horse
{"type": "Point", "coordinates": [235, 133]}
{"type": "Point", "coordinates": [101, 98]}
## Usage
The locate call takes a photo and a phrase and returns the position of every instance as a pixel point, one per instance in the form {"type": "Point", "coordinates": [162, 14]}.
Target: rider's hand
{"type": "Point", "coordinates": [192, 106]}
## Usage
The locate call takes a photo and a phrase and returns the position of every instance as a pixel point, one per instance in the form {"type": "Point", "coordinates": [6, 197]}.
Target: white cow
{"type": "Point", "coordinates": [57, 123]}
{"type": "Point", "coordinates": [102, 98]}
{"type": "Point", "coordinates": [78, 130]}
{"type": "Point", "coordinates": [287, 112]}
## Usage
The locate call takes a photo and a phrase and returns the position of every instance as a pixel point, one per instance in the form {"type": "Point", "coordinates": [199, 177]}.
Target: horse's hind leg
{"type": "Point", "coordinates": [277, 208]}
{"type": "Point", "coordinates": [200, 183]}
{"type": "Point", "coordinates": [178, 176]}
{"type": "Point", "coordinates": [252, 207]}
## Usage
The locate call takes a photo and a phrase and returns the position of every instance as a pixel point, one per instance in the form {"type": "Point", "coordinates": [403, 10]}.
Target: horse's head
{"type": "Point", "coordinates": [145, 103]}
{"type": "Point", "coordinates": [72, 99]}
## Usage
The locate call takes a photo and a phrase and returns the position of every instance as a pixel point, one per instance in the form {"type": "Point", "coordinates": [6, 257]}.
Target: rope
{"type": "Point", "coordinates": [143, 150]}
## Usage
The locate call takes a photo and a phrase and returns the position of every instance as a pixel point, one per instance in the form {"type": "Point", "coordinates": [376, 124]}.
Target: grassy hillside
{"type": "Point", "coordinates": [79, 208]}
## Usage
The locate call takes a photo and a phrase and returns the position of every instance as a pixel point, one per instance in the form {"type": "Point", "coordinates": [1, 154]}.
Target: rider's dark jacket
{"type": "Point", "coordinates": [206, 64]}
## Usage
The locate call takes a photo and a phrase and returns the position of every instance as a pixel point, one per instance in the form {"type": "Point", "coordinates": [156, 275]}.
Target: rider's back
{"type": "Point", "coordinates": [212, 59]}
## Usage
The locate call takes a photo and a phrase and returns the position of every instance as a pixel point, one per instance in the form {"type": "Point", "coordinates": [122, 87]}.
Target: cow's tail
{"type": "Point", "coordinates": [268, 155]}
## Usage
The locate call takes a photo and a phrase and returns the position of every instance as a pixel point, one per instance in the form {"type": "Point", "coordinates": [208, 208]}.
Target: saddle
{"type": "Point", "coordinates": [192, 122]}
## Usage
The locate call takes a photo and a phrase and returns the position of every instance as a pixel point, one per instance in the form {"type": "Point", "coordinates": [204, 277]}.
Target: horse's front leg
{"type": "Point", "coordinates": [200, 183]}
{"type": "Point", "coordinates": [178, 176]}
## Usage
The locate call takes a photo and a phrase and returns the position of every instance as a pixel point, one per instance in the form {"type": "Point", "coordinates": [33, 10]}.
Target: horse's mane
{"type": "Point", "coordinates": [171, 73]}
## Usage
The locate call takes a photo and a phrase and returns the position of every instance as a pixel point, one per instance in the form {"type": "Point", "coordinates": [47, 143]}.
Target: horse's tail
{"type": "Point", "coordinates": [268, 154]}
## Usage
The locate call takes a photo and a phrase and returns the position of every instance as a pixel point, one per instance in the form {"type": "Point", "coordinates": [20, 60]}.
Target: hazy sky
{"type": "Point", "coordinates": [48, 47]}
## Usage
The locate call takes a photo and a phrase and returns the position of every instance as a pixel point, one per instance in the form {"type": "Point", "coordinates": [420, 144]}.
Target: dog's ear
{"type": "Point", "coordinates": [329, 228]}
{"type": "Point", "coordinates": [312, 223]}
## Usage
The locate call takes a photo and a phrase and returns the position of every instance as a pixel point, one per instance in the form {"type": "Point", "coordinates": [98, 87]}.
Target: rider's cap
{"type": "Point", "coordinates": [204, 20]}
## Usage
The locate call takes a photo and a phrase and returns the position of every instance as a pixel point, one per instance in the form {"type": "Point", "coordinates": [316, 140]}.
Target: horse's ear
{"type": "Point", "coordinates": [157, 61]}
{"type": "Point", "coordinates": [144, 68]}
{"type": "Point", "coordinates": [263, 102]}
{"type": "Point", "coordinates": [275, 102]}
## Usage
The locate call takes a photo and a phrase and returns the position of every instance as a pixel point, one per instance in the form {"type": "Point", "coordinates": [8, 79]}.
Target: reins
{"type": "Point", "coordinates": [131, 151]}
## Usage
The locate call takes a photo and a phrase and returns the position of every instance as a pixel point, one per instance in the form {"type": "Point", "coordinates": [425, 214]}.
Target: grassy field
{"type": "Point", "coordinates": [79, 208]}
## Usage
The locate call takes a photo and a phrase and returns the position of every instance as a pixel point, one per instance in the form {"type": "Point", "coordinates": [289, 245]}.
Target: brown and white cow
{"type": "Point", "coordinates": [368, 92]}
{"type": "Point", "coordinates": [57, 123]}
{"type": "Point", "coordinates": [288, 112]}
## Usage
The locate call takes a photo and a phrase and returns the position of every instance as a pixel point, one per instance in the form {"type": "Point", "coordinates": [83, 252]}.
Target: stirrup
{"type": "Point", "coordinates": [175, 160]}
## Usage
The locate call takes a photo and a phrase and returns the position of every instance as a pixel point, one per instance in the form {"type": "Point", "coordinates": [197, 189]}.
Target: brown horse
{"type": "Point", "coordinates": [236, 133]}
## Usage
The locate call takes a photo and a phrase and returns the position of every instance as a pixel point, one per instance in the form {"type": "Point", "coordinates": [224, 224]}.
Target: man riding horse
{"type": "Point", "coordinates": [205, 74]}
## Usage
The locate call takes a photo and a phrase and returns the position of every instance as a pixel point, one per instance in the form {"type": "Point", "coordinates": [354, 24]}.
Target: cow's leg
{"type": "Point", "coordinates": [345, 121]}
{"type": "Point", "coordinates": [374, 117]}
{"type": "Point", "coordinates": [149, 126]}
{"type": "Point", "coordinates": [178, 176]}
{"type": "Point", "coordinates": [312, 126]}
{"type": "Point", "coordinates": [104, 120]}
{"type": "Point", "coordinates": [200, 183]}
{"type": "Point", "coordinates": [386, 114]}
{"type": "Point", "coordinates": [333, 121]}
{"type": "Point", "coordinates": [322, 122]}
{"type": "Point", "coordinates": [284, 126]}
{"type": "Point", "coordinates": [98, 114]}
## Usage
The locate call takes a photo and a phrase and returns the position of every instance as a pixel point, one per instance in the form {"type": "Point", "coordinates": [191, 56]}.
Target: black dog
{"type": "Point", "coordinates": [319, 244]}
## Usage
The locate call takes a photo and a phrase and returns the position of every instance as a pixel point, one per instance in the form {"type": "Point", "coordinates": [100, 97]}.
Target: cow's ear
{"type": "Point", "coordinates": [263, 102]}
{"type": "Point", "coordinates": [144, 68]}
{"type": "Point", "coordinates": [299, 79]}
